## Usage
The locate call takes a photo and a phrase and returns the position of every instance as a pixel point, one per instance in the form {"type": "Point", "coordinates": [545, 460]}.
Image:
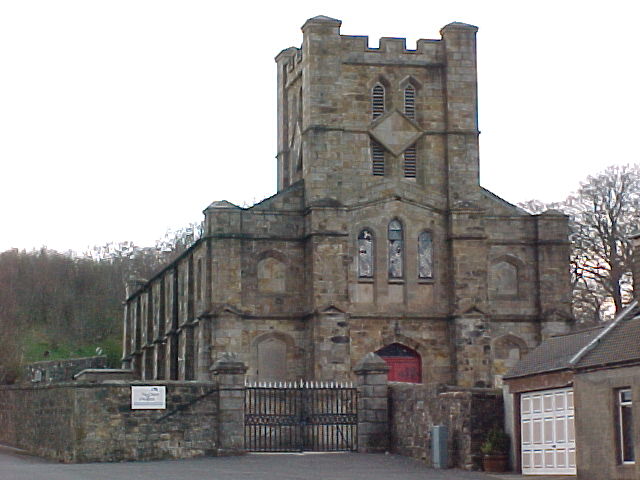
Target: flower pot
{"type": "Point", "coordinates": [495, 463]}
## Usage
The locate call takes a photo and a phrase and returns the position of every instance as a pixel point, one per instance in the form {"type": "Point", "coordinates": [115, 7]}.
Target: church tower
{"type": "Point", "coordinates": [353, 118]}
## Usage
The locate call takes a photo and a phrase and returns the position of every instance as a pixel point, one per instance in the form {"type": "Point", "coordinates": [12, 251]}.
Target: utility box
{"type": "Point", "coordinates": [439, 453]}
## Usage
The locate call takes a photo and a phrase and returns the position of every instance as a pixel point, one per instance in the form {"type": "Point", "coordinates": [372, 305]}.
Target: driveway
{"type": "Point", "coordinates": [15, 465]}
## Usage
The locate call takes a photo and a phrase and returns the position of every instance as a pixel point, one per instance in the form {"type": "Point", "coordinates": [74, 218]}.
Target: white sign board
{"type": "Point", "coordinates": [148, 398]}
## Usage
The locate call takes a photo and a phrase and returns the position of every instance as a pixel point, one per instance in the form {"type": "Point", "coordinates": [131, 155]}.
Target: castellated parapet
{"type": "Point", "coordinates": [379, 238]}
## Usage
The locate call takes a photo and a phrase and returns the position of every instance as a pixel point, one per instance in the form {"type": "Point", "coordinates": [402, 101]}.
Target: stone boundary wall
{"type": "Point", "coordinates": [89, 422]}
{"type": "Point", "coordinates": [60, 370]}
{"type": "Point", "coordinates": [468, 413]}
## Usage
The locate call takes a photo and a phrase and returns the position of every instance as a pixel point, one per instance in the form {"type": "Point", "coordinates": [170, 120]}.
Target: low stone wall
{"type": "Point", "coordinates": [468, 413]}
{"type": "Point", "coordinates": [89, 422]}
{"type": "Point", "coordinates": [60, 370]}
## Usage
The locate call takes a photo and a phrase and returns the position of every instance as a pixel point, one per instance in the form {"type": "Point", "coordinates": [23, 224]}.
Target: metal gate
{"type": "Point", "coordinates": [300, 416]}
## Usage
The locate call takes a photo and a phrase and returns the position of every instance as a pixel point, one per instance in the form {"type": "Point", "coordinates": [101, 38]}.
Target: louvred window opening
{"type": "Point", "coordinates": [410, 162]}
{"type": "Point", "coordinates": [377, 159]}
{"type": "Point", "coordinates": [377, 101]}
{"type": "Point", "coordinates": [410, 101]}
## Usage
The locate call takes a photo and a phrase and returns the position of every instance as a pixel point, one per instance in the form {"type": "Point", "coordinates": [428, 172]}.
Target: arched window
{"type": "Point", "coordinates": [396, 249]}
{"type": "Point", "coordinates": [410, 162]}
{"type": "Point", "coordinates": [377, 101]}
{"type": "Point", "coordinates": [425, 255]}
{"type": "Point", "coordinates": [365, 254]}
{"type": "Point", "coordinates": [410, 101]}
{"type": "Point", "coordinates": [377, 159]}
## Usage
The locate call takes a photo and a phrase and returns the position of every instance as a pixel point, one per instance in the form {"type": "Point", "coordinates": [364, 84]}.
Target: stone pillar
{"type": "Point", "coordinates": [203, 354]}
{"type": "Point", "coordinates": [554, 281]}
{"type": "Point", "coordinates": [229, 372]}
{"type": "Point", "coordinates": [373, 401]}
{"type": "Point", "coordinates": [132, 285]}
{"type": "Point", "coordinates": [126, 338]}
{"type": "Point", "coordinates": [461, 97]}
{"type": "Point", "coordinates": [469, 252]}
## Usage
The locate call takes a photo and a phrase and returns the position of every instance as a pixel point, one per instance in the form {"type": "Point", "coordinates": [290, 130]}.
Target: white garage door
{"type": "Point", "coordinates": [548, 432]}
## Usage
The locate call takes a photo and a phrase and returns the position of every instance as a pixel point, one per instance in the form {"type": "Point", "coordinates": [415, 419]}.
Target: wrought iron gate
{"type": "Point", "coordinates": [300, 416]}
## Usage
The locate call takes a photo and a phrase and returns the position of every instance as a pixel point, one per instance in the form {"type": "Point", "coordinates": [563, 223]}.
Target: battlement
{"type": "Point", "coordinates": [360, 43]}
{"type": "Point", "coordinates": [355, 48]}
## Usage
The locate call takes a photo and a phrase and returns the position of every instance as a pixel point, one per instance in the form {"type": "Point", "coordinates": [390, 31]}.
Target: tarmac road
{"type": "Point", "coordinates": [15, 465]}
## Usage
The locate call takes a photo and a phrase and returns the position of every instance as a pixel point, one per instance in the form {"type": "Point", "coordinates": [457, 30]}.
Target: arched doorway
{"type": "Point", "coordinates": [404, 363]}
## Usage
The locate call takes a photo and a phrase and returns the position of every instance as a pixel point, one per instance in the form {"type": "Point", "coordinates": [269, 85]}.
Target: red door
{"type": "Point", "coordinates": [404, 363]}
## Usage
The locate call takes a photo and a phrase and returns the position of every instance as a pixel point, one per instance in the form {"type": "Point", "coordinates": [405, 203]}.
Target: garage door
{"type": "Point", "coordinates": [548, 432]}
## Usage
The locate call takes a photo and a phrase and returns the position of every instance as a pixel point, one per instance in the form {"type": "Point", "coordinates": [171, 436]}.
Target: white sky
{"type": "Point", "coordinates": [120, 119]}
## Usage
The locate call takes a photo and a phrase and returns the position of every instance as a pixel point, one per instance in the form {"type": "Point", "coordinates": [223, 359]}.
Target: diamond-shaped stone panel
{"type": "Point", "coordinates": [395, 133]}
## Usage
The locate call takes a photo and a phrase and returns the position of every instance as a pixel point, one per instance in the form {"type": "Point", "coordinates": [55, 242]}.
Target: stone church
{"type": "Point", "coordinates": [379, 238]}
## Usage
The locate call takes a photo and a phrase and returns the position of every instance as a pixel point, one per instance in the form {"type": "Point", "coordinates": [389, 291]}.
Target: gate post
{"type": "Point", "coordinates": [373, 404]}
{"type": "Point", "coordinates": [229, 373]}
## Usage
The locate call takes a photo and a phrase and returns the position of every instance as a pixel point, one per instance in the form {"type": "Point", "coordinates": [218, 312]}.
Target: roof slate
{"type": "Point", "coordinates": [553, 354]}
{"type": "Point", "coordinates": [621, 344]}
{"type": "Point", "coordinates": [618, 343]}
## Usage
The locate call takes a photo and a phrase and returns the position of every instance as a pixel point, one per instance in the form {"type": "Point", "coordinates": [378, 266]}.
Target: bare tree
{"type": "Point", "coordinates": [604, 213]}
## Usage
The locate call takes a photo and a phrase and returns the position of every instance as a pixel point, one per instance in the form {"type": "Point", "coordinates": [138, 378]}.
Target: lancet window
{"type": "Point", "coordinates": [410, 162]}
{"type": "Point", "coordinates": [396, 249]}
{"type": "Point", "coordinates": [377, 159]}
{"type": "Point", "coordinates": [410, 101]}
{"type": "Point", "coordinates": [365, 254]}
{"type": "Point", "coordinates": [377, 101]}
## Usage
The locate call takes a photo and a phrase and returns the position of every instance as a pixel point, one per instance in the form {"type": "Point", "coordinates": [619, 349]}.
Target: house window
{"type": "Point", "coordinates": [365, 254]}
{"type": "Point", "coordinates": [410, 101]}
{"type": "Point", "coordinates": [395, 249]}
{"type": "Point", "coordinates": [410, 162]}
{"type": "Point", "coordinates": [377, 101]}
{"type": "Point", "coordinates": [425, 256]}
{"type": "Point", "coordinates": [377, 159]}
{"type": "Point", "coordinates": [625, 426]}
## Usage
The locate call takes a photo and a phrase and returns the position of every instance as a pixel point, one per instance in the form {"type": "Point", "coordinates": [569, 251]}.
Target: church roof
{"type": "Point", "coordinates": [501, 201]}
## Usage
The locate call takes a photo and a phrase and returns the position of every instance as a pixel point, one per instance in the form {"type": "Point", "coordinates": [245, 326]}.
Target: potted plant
{"type": "Point", "coordinates": [495, 451]}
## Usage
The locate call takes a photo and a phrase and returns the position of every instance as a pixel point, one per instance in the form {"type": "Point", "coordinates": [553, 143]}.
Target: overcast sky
{"type": "Point", "coordinates": [121, 119]}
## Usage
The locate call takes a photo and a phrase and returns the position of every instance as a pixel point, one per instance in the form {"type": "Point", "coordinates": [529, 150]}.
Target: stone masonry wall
{"type": "Point", "coordinates": [468, 413]}
{"type": "Point", "coordinates": [95, 423]}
